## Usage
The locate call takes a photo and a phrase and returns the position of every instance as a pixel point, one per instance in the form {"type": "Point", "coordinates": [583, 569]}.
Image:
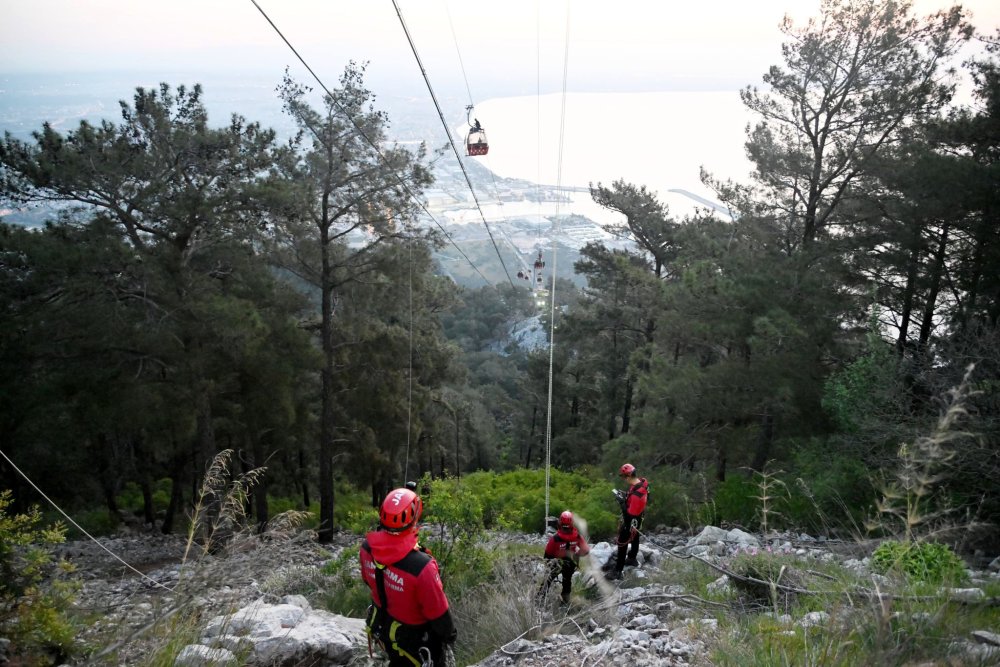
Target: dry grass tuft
{"type": "Point", "coordinates": [912, 498]}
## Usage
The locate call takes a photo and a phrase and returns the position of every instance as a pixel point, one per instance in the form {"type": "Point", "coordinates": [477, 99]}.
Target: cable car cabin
{"type": "Point", "coordinates": [476, 142]}
{"type": "Point", "coordinates": [539, 264]}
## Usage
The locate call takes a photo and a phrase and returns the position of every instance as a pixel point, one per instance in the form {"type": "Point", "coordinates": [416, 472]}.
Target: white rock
{"type": "Point", "coordinates": [967, 594]}
{"type": "Point", "coordinates": [814, 618]}
{"type": "Point", "coordinates": [196, 655]}
{"type": "Point", "coordinates": [708, 535]}
{"type": "Point", "coordinates": [288, 634]}
{"type": "Point", "coordinates": [984, 637]}
{"type": "Point", "coordinates": [720, 586]}
{"type": "Point", "coordinates": [299, 601]}
{"type": "Point", "coordinates": [742, 538]}
{"type": "Point", "coordinates": [645, 621]}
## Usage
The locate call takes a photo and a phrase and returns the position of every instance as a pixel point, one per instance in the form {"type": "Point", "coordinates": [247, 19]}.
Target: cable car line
{"type": "Point", "coordinates": [461, 63]}
{"type": "Point", "coordinates": [451, 140]}
{"type": "Point", "coordinates": [468, 89]}
{"type": "Point", "coordinates": [369, 141]}
{"type": "Point", "coordinates": [409, 372]}
{"type": "Point", "coordinates": [552, 293]}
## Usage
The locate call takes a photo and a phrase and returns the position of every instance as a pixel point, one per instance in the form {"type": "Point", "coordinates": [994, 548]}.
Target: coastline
{"type": "Point", "coordinates": [601, 142]}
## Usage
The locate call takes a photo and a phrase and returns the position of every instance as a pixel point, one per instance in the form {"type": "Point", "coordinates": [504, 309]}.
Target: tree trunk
{"type": "Point", "coordinates": [626, 411]}
{"type": "Point", "coordinates": [937, 270]}
{"type": "Point", "coordinates": [303, 475]}
{"type": "Point", "coordinates": [176, 493]}
{"type": "Point", "coordinates": [107, 476]}
{"type": "Point", "coordinates": [720, 463]}
{"type": "Point", "coordinates": [260, 508]}
{"type": "Point", "coordinates": [531, 435]}
{"type": "Point", "coordinates": [326, 494]}
{"type": "Point", "coordinates": [764, 442]}
{"type": "Point", "coordinates": [976, 270]}
{"type": "Point", "coordinates": [141, 463]}
{"type": "Point", "coordinates": [908, 295]}
{"type": "Point", "coordinates": [458, 466]}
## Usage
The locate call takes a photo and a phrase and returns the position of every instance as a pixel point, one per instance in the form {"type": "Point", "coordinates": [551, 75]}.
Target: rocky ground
{"type": "Point", "coordinates": [634, 622]}
{"type": "Point", "coordinates": [124, 601]}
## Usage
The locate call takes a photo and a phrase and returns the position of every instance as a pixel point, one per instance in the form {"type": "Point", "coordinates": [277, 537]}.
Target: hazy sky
{"type": "Point", "coordinates": [505, 45]}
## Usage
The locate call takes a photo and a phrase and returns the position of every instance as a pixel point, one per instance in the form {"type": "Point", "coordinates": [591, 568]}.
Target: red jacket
{"type": "Point", "coordinates": [635, 501]}
{"type": "Point", "coordinates": [411, 578]}
{"type": "Point", "coordinates": [566, 545]}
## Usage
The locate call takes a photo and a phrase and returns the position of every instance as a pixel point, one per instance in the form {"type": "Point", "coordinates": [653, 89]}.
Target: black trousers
{"type": "Point", "coordinates": [564, 566]}
{"type": "Point", "coordinates": [628, 540]}
{"type": "Point", "coordinates": [405, 645]}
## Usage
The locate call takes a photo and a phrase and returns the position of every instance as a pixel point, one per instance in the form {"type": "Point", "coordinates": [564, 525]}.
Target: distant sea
{"type": "Point", "coordinates": [657, 139]}
{"type": "Point", "coordinates": [63, 100]}
{"type": "Point", "coordinates": [660, 140]}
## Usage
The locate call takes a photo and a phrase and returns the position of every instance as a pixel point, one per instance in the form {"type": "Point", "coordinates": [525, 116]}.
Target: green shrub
{"type": "Point", "coordinates": [667, 501]}
{"type": "Point", "coordinates": [762, 572]}
{"type": "Point", "coordinates": [280, 505]}
{"type": "Point", "coordinates": [736, 501]}
{"type": "Point", "coordinates": [515, 500]}
{"type": "Point", "coordinates": [867, 387]}
{"type": "Point", "coordinates": [456, 517]}
{"type": "Point", "coordinates": [353, 509]}
{"type": "Point", "coordinates": [829, 491]}
{"type": "Point", "coordinates": [162, 490]}
{"type": "Point", "coordinates": [129, 498]}
{"type": "Point", "coordinates": [922, 562]}
{"type": "Point", "coordinates": [35, 592]}
{"type": "Point", "coordinates": [96, 522]}
{"type": "Point", "coordinates": [345, 592]}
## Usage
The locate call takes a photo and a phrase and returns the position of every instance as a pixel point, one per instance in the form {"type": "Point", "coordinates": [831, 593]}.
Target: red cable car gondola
{"type": "Point", "coordinates": [475, 140]}
{"type": "Point", "coordinates": [539, 265]}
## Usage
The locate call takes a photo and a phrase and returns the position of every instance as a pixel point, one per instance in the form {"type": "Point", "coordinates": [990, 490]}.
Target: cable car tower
{"type": "Point", "coordinates": [475, 140]}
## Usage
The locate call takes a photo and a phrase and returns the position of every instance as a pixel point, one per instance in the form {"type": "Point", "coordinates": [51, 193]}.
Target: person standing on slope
{"type": "Point", "coordinates": [409, 616]}
{"type": "Point", "coordinates": [633, 504]}
{"type": "Point", "coordinates": [563, 553]}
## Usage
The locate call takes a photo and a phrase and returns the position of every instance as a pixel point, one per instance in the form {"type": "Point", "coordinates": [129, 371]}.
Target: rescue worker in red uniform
{"type": "Point", "coordinates": [409, 615]}
{"type": "Point", "coordinates": [563, 552]}
{"type": "Point", "coordinates": [633, 504]}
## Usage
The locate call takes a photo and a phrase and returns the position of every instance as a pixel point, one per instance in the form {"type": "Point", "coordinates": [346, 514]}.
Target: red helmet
{"type": "Point", "coordinates": [566, 522]}
{"type": "Point", "coordinates": [400, 511]}
{"type": "Point", "coordinates": [627, 470]}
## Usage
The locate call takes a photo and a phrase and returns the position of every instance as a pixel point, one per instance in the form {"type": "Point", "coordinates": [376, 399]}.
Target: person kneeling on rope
{"type": "Point", "coordinates": [563, 553]}
{"type": "Point", "coordinates": [409, 616]}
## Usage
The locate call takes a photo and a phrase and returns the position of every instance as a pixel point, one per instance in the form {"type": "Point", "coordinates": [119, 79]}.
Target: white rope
{"type": "Point", "coordinates": [409, 374]}
{"type": "Point", "coordinates": [538, 117]}
{"type": "Point", "coordinates": [468, 89]}
{"type": "Point", "coordinates": [451, 140]}
{"type": "Point", "coordinates": [80, 528]}
{"type": "Point", "coordinates": [552, 292]}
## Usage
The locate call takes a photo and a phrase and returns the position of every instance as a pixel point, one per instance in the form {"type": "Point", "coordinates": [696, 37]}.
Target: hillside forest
{"type": "Point", "coordinates": [202, 286]}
